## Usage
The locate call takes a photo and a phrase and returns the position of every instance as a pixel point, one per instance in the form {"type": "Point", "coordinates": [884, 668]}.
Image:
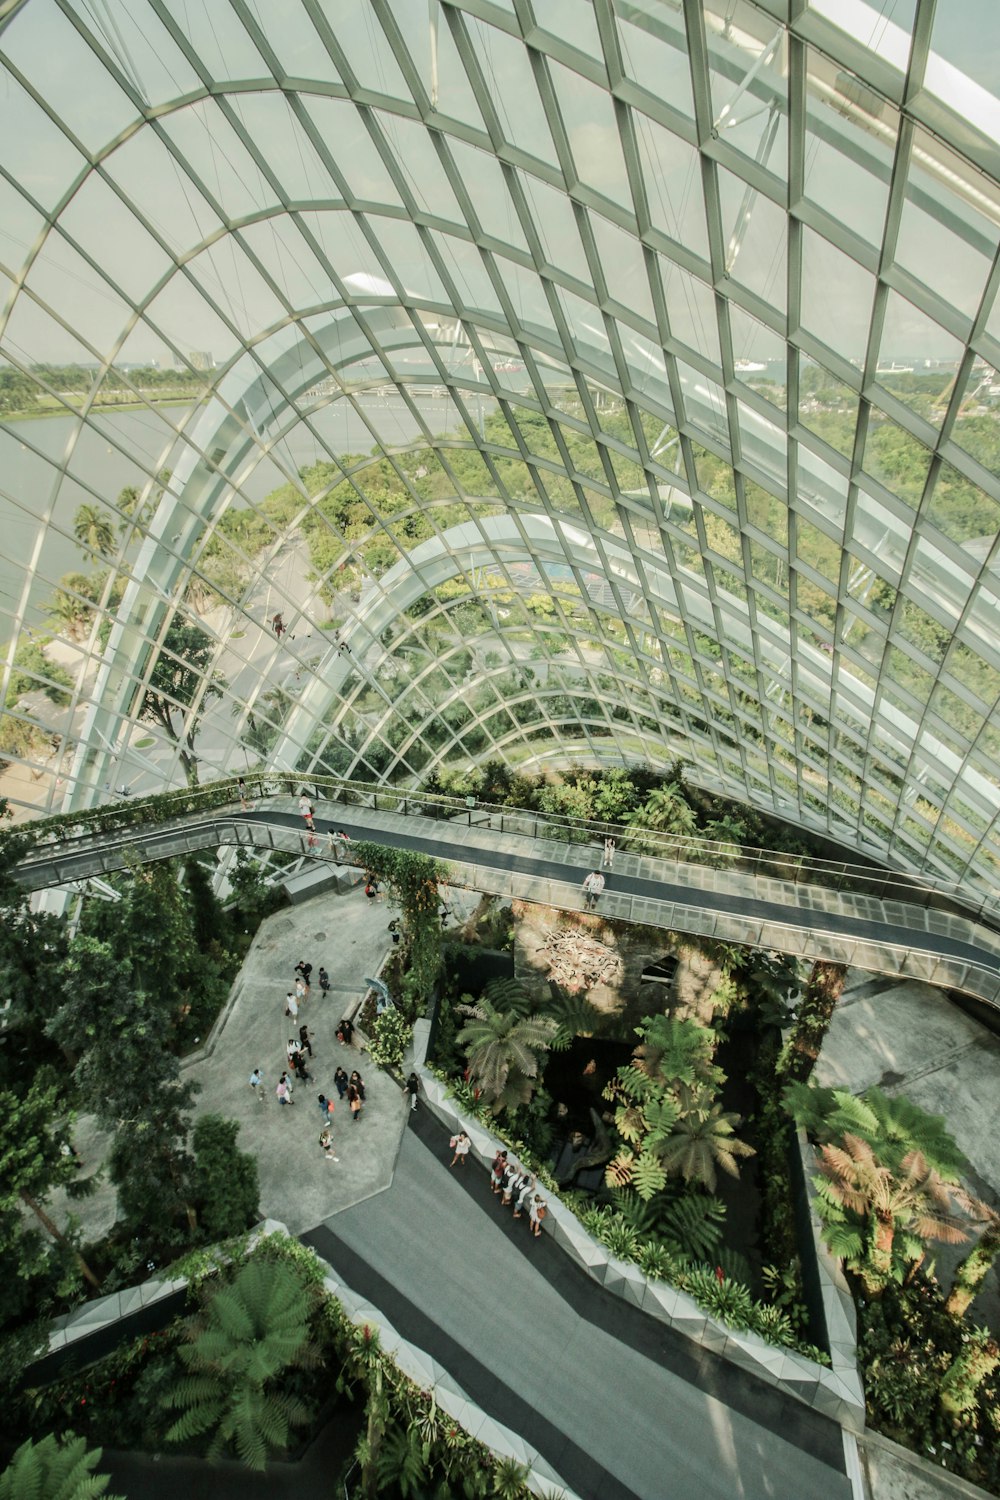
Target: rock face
{"type": "Point", "coordinates": [608, 959]}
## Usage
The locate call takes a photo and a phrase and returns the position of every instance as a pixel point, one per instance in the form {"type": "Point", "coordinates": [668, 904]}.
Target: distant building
{"type": "Point", "coordinates": [202, 359]}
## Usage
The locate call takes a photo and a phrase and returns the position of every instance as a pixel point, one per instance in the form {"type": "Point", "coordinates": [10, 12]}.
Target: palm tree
{"type": "Point", "coordinates": [503, 1050]}
{"type": "Point", "coordinates": [911, 1199]}
{"type": "Point", "coordinates": [249, 1334]}
{"type": "Point", "coordinates": [94, 531]}
{"type": "Point", "coordinates": [703, 1139]}
{"type": "Point", "coordinates": [55, 1466]}
{"type": "Point", "coordinates": [971, 1272]}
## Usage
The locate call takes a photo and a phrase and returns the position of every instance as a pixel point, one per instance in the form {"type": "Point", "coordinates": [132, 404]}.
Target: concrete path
{"type": "Point", "coordinates": [620, 1406]}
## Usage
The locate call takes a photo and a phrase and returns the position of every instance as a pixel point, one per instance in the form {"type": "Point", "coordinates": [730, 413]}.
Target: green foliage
{"type": "Point", "coordinates": [815, 1012]}
{"type": "Point", "coordinates": [504, 1048]}
{"type": "Point", "coordinates": [414, 883]}
{"type": "Point", "coordinates": [182, 672]}
{"type": "Point", "coordinates": [224, 1179]}
{"type": "Point", "coordinates": [251, 1333]}
{"type": "Point", "coordinates": [55, 1468]}
{"type": "Point", "coordinates": [391, 1035]}
{"type": "Point", "coordinates": [888, 1171]}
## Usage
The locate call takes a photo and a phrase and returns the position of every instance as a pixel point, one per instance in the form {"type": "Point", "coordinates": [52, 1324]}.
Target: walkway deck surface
{"type": "Point", "coordinates": [891, 937]}
{"type": "Point", "coordinates": [619, 1405]}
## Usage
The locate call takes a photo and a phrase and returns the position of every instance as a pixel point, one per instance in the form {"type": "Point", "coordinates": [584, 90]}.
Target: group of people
{"type": "Point", "coordinates": [515, 1188]}
{"type": "Point", "coordinates": [512, 1184]}
{"type": "Point", "coordinates": [299, 1055]}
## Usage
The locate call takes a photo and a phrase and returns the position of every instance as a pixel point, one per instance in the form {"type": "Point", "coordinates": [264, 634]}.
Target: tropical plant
{"type": "Point", "coordinates": [866, 1203]}
{"type": "Point", "coordinates": [181, 676]}
{"type": "Point", "coordinates": [702, 1140]}
{"type": "Point", "coordinates": [251, 1332]}
{"type": "Point", "coordinates": [93, 530]}
{"type": "Point", "coordinates": [675, 1051]}
{"type": "Point", "coordinates": [55, 1468]}
{"type": "Point", "coordinates": [391, 1035]}
{"type": "Point", "coordinates": [691, 1226]}
{"type": "Point", "coordinates": [815, 1012]}
{"type": "Point", "coordinates": [32, 1161]}
{"type": "Point", "coordinates": [224, 1178]}
{"type": "Point", "coordinates": [666, 810]}
{"type": "Point", "coordinates": [504, 1050]}
{"type": "Point", "coordinates": [960, 1384]}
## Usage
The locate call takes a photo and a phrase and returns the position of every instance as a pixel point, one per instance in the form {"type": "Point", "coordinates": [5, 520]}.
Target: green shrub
{"type": "Point", "coordinates": [390, 1038]}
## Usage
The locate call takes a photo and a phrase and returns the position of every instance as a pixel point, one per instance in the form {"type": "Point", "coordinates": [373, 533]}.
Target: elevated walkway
{"type": "Point", "coordinates": [894, 936]}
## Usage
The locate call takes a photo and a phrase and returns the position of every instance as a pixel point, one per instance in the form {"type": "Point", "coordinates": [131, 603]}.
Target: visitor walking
{"type": "Point", "coordinates": [300, 989]}
{"type": "Point", "coordinates": [256, 1083]}
{"type": "Point", "coordinates": [322, 1101]}
{"type": "Point", "coordinates": [241, 792]}
{"type": "Point", "coordinates": [512, 1174]}
{"type": "Point", "coordinates": [301, 1070]}
{"type": "Point", "coordinates": [412, 1088]}
{"type": "Point", "coordinates": [358, 1083]}
{"type": "Point", "coordinates": [536, 1213]}
{"type": "Point", "coordinates": [303, 970]}
{"type": "Point", "coordinates": [307, 810]}
{"type": "Point", "coordinates": [497, 1170]}
{"type": "Point", "coordinates": [291, 1006]}
{"type": "Point", "coordinates": [278, 626]}
{"type": "Point", "coordinates": [340, 1080]}
{"type": "Point", "coordinates": [305, 1041]}
{"type": "Point", "coordinates": [284, 1090]}
{"type": "Point", "coordinates": [609, 853]}
{"type": "Point", "coordinates": [324, 981]}
{"type": "Point", "coordinates": [354, 1102]}
{"type": "Point", "coordinates": [326, 1141]}
{"type": "Point", "coordinates": [345, 1031]}
{"type": "Point", "coordinates": [593, 887]}
{"type": "Point", "coordinates": [461, 1145]}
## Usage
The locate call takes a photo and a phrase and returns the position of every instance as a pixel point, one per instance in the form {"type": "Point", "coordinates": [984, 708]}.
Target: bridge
{"type": "Point", "coordinates": [888, 924]}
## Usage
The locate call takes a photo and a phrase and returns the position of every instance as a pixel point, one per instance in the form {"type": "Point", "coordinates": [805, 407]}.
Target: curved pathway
{"type": "Point", "coordinates": [892, 937]}
{"type": "Point", "coordinates": [620, 1406]}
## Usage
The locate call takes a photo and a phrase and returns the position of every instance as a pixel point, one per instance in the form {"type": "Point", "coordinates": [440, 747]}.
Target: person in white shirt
{"type": "Point", "coordinates": [593, 886]}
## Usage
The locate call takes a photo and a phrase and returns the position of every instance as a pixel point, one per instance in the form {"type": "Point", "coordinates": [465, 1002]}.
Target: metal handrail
{"type": "Point", "coordinates": [872, 881]}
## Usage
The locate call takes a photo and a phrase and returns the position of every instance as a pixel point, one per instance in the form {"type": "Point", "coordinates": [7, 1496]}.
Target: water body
{"type": "Point", "coordinates": [38, 501]}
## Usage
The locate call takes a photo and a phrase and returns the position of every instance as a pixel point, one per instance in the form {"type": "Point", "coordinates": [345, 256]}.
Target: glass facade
{"type": "Point", "coordinates": [576, 381]}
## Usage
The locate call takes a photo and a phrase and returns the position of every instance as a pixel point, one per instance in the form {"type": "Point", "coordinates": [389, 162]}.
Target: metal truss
{"type": "Point", "coordinates": [581, 381]}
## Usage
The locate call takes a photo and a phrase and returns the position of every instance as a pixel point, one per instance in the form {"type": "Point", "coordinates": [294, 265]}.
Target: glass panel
{"type": "Point", "coordinates": [672, 173]}
{"type": "Point", "coordinates": [840, 322]}
{"type": "Point", "coordinates": [913, 352]}
{"type": "Point", "coordinates": [756, 234]}
{"type": "Point", "coordinates": [848, 151]}
{"type": "Point", "coordinates": [827, 406]}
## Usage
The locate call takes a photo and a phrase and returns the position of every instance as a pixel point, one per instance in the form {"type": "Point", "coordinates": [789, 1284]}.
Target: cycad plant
{"type": "Point", "coordinates": [55, 1469]}
{"type": "Point", "coordinates": [250, 1334]}
{"type": "Point", "coordinates": [504, 1049]}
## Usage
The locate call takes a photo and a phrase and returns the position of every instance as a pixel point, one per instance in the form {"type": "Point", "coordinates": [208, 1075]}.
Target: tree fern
{"type": "Point", "coordinates": [55, 1469]}
{"type": "Point", "coordinates": [692, 1226]}
{"type": "Point", "coordinates": [250, 1333]}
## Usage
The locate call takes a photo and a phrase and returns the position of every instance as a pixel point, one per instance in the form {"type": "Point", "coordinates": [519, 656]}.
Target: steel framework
{"type": "Point", "coordinates": [578, 381]}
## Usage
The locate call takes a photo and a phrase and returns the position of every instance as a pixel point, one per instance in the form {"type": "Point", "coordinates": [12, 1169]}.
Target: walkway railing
{"type": "Point", "coordinates": [857, 879]}
{"type": "Point", "coordinates": [900, 940]}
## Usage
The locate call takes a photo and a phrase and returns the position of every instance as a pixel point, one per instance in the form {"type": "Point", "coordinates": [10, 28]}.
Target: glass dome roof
{"type": "Point", "coordinates": [577, 381]}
